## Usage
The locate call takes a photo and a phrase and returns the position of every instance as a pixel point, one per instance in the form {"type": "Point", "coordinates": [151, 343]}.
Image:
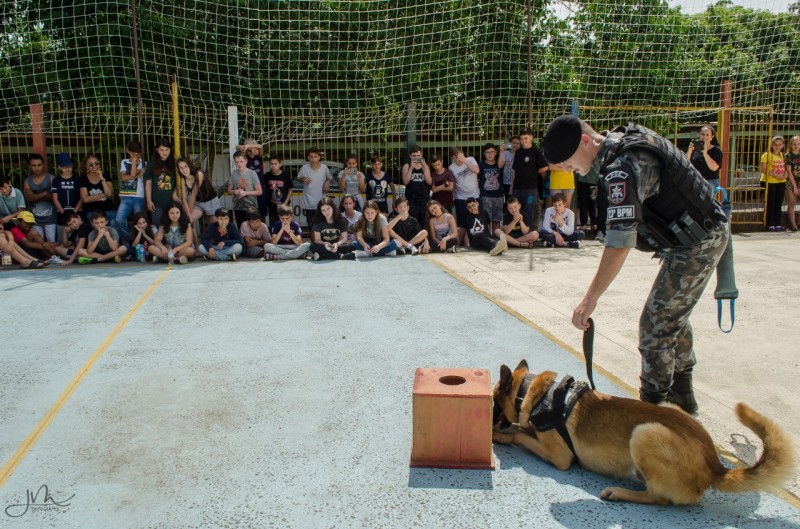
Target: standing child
{"type": "Point", "coordinates": [221, 239]}
{"type": "Point", "coordinates": [417, 179]}
{"type": "Point", "coordinates": [379, 184]}
{"type": "Point", "coordinates": [478, 226]}
{"type": "Point", "coordinates": [558, 226]}
{"type": "Point", "coordinates": [773, 172]}
{"type": "Point", "coordinates": [279, 187]}
{"type": "Point", "coordinates": [255, 234]}
{"type": "Point", "coordinates": [442, 228]}
{"type": "Point", "coordinates": [444, 182]}
{"type": "Point", "coordinates": [160, 180]}
{"type": "Point", "coordinates": [131, 188]}
{"type": "Point", "coordinates": [174, 238]}
{"type": "Point", "coordinates": [406, 230]}
{"type": "Point", "coordinates": [352, 182]}
{"type": "Point", "coordinates": [491, 186]}
{"type": "Point", "coordinates": [329, 233]}
{"type": "Point", "coordinates": [255, 163]}
{"type": "Point", "coordinates": [287, 240]}
{"type": "Point", "coordinates": [245, 188]}
{"type": "Point", "coordinates": [372, 233]}
{"type": "Point", "coordinates": [793, 174]}
{"type": "Point", "coordinates": [65, 191]}
{"type": "Point", "coordinates": [103, 243]}
{"type": "Point", "coordinates": [316, 179]}
{"type": "Point", "coordinates": [466, 171]}
{"type": "Point", "coordinates": [38, 191]}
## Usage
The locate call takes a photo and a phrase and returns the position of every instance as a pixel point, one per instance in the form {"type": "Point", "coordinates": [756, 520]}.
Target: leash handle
{"type": "Point", "coordinates": [588, 350]}
{"type": "Point", "coordinates": [719, 315]}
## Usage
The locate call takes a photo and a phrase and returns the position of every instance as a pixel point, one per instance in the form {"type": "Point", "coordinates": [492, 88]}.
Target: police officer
{"type": "Point", "coordinates": [656, 202]}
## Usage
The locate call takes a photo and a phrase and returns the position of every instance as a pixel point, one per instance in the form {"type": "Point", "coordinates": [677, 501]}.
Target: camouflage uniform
{"type": "Point", "coordinates": [665, 334]}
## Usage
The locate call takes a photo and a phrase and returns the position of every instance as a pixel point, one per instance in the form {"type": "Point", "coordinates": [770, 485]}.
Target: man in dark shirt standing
{"type": "Point", "coordinates": [529, 169]}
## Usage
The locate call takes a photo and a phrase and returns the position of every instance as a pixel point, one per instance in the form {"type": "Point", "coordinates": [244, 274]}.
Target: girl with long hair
{"type": "Point", "coordinates": [372, 233]}
{"type": "Point", "coordinates": [174, 238]}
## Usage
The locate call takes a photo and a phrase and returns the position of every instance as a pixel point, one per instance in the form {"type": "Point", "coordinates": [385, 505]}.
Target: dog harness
{"type": "Point", "coordinates": [555, 406]}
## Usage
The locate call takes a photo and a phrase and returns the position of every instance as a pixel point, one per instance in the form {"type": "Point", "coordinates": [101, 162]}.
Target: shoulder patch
{"type": "Point", "coordinates": [617, 187]}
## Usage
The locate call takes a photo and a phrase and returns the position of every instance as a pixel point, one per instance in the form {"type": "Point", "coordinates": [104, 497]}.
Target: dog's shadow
{"type": "Point", "coordinates": [715, 509]}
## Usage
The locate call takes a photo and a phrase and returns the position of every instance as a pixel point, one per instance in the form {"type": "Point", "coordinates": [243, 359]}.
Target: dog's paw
{"type": "Point", "coordinates": [503, 437]}
{"type": "Point", "coordinates": [612, 493]}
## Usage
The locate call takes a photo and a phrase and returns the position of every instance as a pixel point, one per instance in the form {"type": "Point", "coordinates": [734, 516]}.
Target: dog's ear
{"type": "Point", "coordinates": [506, 378]}
{"type": "Point", "coordinates": [522, 365]}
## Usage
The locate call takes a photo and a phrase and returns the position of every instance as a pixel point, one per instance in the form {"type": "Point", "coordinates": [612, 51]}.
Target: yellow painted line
{"type": "Point", "coordinates": [784, 494]}
{"type": "Point", "coordinates": [48, 418]}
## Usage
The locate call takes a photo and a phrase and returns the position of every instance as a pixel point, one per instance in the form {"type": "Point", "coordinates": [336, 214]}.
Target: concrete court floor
{"type": "Point", "coordinates": [156, 398]}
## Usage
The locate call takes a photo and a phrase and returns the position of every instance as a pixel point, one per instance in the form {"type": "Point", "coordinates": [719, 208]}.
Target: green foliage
{"type": "Point", "coordinates": [378, 55]}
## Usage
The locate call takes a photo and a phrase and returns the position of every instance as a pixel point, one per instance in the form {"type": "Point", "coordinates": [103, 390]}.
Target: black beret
{"type": "Point", "coordinates": [562, 138]}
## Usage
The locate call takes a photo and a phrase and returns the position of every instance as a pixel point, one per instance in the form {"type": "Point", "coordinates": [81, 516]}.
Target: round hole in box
{"type": "Point", "coordinates": [452, 380]}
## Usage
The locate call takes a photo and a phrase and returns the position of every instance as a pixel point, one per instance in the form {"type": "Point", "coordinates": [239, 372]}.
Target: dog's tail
{"type": "Point", "coordinates": [773, 468]}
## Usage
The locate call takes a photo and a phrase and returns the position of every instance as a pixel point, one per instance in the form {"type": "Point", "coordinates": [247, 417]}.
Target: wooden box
{"type": "Point", "coordinates": [452, 416]}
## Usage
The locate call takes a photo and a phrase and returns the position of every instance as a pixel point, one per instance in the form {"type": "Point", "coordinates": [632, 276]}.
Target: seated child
{"type": "Point", "coordinates": [9, 247]}
{"type": "Point", "coordinates": [352, 215]}
{"type": "Point", "coordinates": [143, 233]}
{"type": "Point", "coordinates": [254, 233]}
{"type": "Point", "coordinates": [102, 243]}
{"type": "Point", "coordinates": [478, 222]}
{"type": "Point", "coordinates": [221, 240]}
{"type": "Point", "coordinates": [31, 240]}
{"type": "Point", "coordinates": [517, 226]}
{"type": "Point", "coordinates": [287, 241]}
{"type": "Point", "coordinates": [329, 233]}
{"type": "Point", "coordinates": [372, 233]}
{"type": "Point", "coordinates": [175, 237]}
{"type": "Point", "coordinates": [76, 233]}
{"type": "Point", "coordinates": [558, 226]}
{"type": "Point", "coordinates": [406, 230]}
{"type": "Point", "coordinates": [442, 228]}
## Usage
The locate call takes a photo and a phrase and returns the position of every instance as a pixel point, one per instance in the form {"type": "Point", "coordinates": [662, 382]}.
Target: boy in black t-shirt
{"type": "Point", "coordinates": [405, 230]}
{"type": "Point", "coordinates": [76, 232]}
{"type": "Point", "coordinates": [278, 188]}
{"type": "Point", "coordinates": [478, 223]}
{"type": "Point", "coordinates": [517, 226]}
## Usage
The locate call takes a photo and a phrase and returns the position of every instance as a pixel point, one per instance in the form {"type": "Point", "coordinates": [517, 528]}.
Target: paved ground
{"type": "Point", "coordinates": [148, 397]}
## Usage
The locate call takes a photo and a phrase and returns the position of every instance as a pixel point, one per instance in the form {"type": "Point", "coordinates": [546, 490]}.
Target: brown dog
{"type": "Point", "coordinates": [623, 438]}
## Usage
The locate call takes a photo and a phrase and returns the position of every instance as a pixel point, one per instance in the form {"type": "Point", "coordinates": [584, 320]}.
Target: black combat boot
{"type": "Point", "coordinates": [651, 396]}
{"type": "Point", "coordinates": [681, 392]}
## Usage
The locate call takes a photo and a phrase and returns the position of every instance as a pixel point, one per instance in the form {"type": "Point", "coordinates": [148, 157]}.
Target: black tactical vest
{"type": "Point", "coordinates": [681, 187]}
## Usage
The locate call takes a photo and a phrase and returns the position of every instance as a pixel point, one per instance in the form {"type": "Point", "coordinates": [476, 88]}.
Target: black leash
{"type": "Point", "coordinates": [588, 350]}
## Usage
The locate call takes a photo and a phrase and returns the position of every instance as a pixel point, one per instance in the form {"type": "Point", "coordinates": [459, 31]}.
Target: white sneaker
{"type": "Point", "coordinates": [414, 249]}
{"type": "Point", "coordinates": [393, 253]}
{"type": "Point", "coordinates": [233, 257]}
{"type": "Point", "coordinates": [183, 259]}
{"type": "Point", "coordinates": [155, 259]}
{"type": "Point", "coordinates": [55, 260]}
{"type": "Point", "coordinates": [600, 236]}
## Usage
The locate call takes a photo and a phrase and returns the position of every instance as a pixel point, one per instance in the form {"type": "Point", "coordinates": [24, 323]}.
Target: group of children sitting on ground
{"type": "Point", "coordinates": [336, 232]}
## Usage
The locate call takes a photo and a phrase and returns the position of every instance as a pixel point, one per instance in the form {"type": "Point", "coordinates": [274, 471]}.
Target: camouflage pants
{"type": "Point", "coordinates": [665, 334]}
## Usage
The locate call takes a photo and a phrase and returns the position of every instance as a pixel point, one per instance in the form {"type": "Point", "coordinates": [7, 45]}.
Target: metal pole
{"type": "Point", "coordinates": [176, 116]}
{"type": "Point", "coordinates": [530, 95]}
{"type": "Point", "coordinates": [139, 108]}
